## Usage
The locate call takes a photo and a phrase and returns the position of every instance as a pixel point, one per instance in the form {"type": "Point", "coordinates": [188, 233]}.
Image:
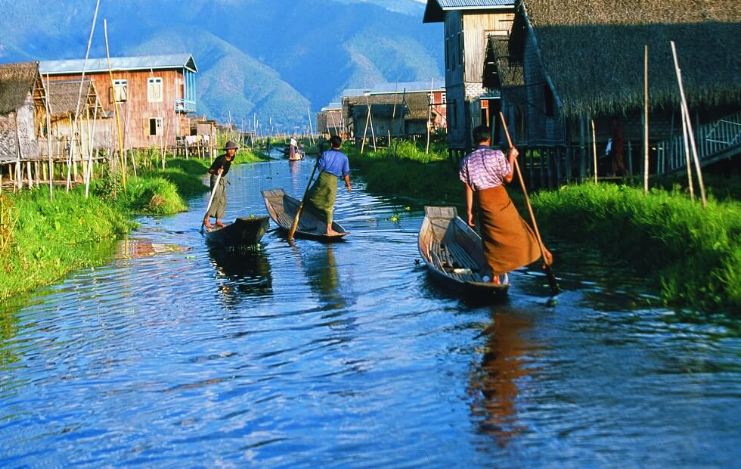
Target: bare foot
{"type": "Point", "coordinates": [219, 224]}
{"type": "Point", "coordinates": [331, 232]}
{"type": "Point", "coordinates": [207, 224]}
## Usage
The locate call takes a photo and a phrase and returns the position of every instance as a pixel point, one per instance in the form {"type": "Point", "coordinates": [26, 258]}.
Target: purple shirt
{"type": "Point", "coordinates": [484, 168]}
{"type": "Point", "coordinates": [334, 162]}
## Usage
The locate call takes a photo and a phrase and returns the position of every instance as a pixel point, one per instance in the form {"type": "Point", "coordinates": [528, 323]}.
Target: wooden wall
{"type": "Point", "coordinates": [136, 112]}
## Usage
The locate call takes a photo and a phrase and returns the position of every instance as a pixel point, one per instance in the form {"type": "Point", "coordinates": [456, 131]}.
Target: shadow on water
{"type": "Point", "coordinates": [244, 273]}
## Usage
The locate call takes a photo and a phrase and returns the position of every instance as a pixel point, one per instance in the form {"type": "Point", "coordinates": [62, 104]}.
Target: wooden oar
{"type": "Point", "coordinates": [294, 225]}
{"type": "Point", "coordinates": [211, 199]}
{"type": "Point", "coordinates": [546, 268]}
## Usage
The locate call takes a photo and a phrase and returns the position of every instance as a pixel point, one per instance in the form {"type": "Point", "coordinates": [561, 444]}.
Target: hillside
{"type": "Point", "coordinates": [272, 58]}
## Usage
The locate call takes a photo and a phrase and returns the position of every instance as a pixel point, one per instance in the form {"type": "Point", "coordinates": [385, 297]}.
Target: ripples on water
{"type": "Point", "coordinates": [345, 355]}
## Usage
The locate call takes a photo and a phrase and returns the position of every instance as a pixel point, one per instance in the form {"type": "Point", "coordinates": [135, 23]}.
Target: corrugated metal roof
{"type": "Point", "coordinates": [144, 62]}
{"type": "Point", "coordinates": [401, 87]}
{"type": "Point", "coordinates": [434, 11]}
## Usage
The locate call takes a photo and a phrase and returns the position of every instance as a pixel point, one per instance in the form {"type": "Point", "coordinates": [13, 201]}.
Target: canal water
{"type": "Point", "coordinates": [345, 355]}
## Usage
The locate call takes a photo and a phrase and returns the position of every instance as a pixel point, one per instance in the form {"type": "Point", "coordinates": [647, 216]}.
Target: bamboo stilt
{"type": "Point", "coordinates": [594, 150]}
{"type": "Point", "coordinates": [645, 119]}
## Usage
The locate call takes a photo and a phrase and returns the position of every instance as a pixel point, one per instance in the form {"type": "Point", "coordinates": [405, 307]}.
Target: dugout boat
{"type": "Point", "coordinates": [454, 256]}
{"type": "Point", "coordinates": [245, 231]}
{"type": "Point", "coordinates": [282, 209]}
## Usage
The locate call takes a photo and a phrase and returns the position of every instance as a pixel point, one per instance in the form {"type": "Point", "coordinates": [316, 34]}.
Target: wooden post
{"type": "Point", "coordinates": [690, 133]}
{"type": "Point", "coordinates": [429, 114]}
{"type": "Point", "coordinates": [645, 119]}
{"type": "Point", "coordinates": [582, 149]}
{"type": "Point", "coordinates": [115, 108]}
{"type": "Point", "coordinates": [365, 131]}
{"type": "Point", "coordinates": [594, 150]}
{"type": "Point", "coordinates": [48, 137]}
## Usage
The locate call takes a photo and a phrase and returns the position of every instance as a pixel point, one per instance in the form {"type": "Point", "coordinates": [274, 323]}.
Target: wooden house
{"type": "Point", "coordinates": [468, 24]}
{"type": "Point", "coordinates": [582, 61]}
{"type": "Point", "coordinates": [22, 117]}
{"type": "Point", "coordinates": [154, 94]}
{"type": "Point", "coordinates": [394, 110]}
{"type": "Point", "coordinates": [330, 121]}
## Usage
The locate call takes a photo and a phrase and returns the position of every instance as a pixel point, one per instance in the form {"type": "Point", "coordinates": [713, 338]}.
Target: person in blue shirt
{"type": "Point", "coordinates": [332, 164]}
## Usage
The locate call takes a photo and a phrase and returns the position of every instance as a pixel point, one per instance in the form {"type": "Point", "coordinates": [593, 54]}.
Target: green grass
{"type": "Point", "coordinates": [694, 253]}
{"type": "Point", "coordinates": [404, 170]}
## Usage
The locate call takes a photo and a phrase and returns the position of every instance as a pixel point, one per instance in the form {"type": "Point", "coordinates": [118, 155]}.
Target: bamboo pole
{"type": "Point", "coordinates": [311, 126]}
{"type": "Point", "coordinates": [365, 131]}
{"type": "Point", "coordinates": [645, 119]}
{"type": "Point", "coordinates": [47, 105]}
{"type": "Point", "coordinates": [429, 115]}
{"type": "Point", "coordinates": [115, 108]}
{"type": "Point", "coordinates": [687, 162]}
{"type": "Point", "coordinates": [690, 133]}
{"type": "Point", "coordinates": [18, 168]}
{"type": "Point", "coordinates": [546, 268]}
{"type": "Point", "coordinates": [594, 150]}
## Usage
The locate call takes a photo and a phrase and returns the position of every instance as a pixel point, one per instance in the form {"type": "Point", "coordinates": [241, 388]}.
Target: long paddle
{"type": "Point", "coordinates": [211, 199]}
{"type": "Point", "coordinates": [546, 268]}
{"type": "Point", "coordinates": [294, 225]}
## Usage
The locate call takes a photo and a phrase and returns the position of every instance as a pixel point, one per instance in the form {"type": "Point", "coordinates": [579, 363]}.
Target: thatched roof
{"type": "Point", "coordinates": [63, 96]}
{"type": "Point", "coordinates": [592, 51]}
{"type": "Point", "coordinates": [16, 81]}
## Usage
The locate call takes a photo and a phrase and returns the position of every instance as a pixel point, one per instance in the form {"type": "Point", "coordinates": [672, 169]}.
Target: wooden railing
{"type": "Point", "coordinates": [715, 141]}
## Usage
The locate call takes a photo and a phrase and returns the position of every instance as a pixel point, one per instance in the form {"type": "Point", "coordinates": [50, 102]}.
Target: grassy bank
{"type": "Point", "coordinates": [693, 254]}
{"type": "Point", "coordinates": [406, 171]}
{"type": "Point", "coordinates": [42, 240]}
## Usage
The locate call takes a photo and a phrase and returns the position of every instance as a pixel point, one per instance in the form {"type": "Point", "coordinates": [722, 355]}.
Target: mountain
{"type": "Point", "coordinates": [271, 58]}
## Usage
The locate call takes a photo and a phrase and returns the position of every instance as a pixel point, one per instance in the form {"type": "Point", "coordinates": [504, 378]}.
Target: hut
{"type": "Point", "coordinates": [22, 119]}
{"type": "Point", "coordinates": [330, 121]}
{"type": "Point", "coordinates": [154, 94]}
{"type": "Point", "coordinates": [583, 60]}
{"type": "Point", "coordinates": [468, 24]}
{"type": "Point", "coordinates": [72, 102]}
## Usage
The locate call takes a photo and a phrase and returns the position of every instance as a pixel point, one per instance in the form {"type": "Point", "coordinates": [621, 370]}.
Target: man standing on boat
{"type": "Point", "coordinates": [220, 167]}
{"type": "Point", "coordinates": [508, 240]}
{"type": "Point", "coordinates": [332, 165]}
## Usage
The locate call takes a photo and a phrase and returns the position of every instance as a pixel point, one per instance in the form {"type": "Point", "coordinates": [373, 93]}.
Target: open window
{"type": "Point", "coordinates": [155, 126]}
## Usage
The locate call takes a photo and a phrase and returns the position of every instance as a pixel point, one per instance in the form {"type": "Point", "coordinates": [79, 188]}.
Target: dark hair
{"type": "Point", "coordinates": [336, 141]}
{"type": "Point", "coordinates": [481, 133]}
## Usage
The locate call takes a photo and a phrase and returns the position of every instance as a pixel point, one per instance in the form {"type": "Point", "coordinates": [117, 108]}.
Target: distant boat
{"type": "Point", "coordinates": [282, 209]}
{"type": "Point", "coordinates": [454, 255]}
{"type": "Point", "coordinates": [245, 231]}
{"type": "Point", "coordinates": [297, 155]}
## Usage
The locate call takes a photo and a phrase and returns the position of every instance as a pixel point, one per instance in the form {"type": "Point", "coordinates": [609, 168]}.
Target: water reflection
{"type": "Point", "coordinates": [494, 386]}
{"type": "Point", "coordinates": [243, 273]}
{"type": "Point", "coordinates": [321, 270]}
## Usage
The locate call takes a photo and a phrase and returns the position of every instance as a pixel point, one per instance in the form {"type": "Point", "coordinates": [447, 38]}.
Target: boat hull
{"type": "Point", "coordinates": [454, 255]}
{"type": "Point", "coordinates": [243, 232]}
{"type": "Point", "coordinates": [282, 209]}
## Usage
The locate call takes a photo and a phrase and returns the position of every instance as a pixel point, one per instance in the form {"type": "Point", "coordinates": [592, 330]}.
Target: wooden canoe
{"type": "Point", "coordinates": [282, 209]}
{"type": "Point", "coordinates": [454, 254]}
{"type": "Point", "coordinates": [245, 231]}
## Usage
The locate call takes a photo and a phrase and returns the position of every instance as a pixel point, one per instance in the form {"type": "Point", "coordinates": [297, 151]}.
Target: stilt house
{"type": "Point", "coordinates": [154, 94]}
{"type": "Point", "coordinates": [329, 121]}
{"type": "Point", "coordinates": [400, 110]}
{"type": "Point", "coordinates": [22, 116]}
{"type": "Point", "coordinates": [468, 26]}
{"type": "Point", "coordinates": [582, 61]}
